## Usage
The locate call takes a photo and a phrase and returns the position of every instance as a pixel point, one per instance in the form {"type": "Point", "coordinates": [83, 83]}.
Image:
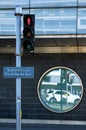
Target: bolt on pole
{"type": "Point", "coordinates": [18, 14]}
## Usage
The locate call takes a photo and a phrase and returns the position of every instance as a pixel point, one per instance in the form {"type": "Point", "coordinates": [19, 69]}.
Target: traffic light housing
{"type": "Point", "coordinates": [28, 33]}
{"type": "Point", "coordinates": [70, 78]}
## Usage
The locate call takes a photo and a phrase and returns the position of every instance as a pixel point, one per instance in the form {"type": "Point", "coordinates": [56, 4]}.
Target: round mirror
{"type": "Point", "coordinates": [60, 89]}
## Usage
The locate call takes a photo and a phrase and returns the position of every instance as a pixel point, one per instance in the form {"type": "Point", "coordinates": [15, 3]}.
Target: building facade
{"type": "Point", "coordinates": [60, 33]}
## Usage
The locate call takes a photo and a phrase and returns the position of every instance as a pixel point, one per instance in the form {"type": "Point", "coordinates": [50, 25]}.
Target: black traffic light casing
{"type": "Point", "coordinates": [28, 33]}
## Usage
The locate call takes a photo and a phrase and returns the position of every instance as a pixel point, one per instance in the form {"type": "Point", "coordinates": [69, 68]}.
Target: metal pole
{"type": "Point", "coordinates": [18, 13]}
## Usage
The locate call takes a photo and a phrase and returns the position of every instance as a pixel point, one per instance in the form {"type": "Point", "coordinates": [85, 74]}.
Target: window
{"type": "Point", "coordinates": [63, 18]}
{"type": "Point", "coordinates": [54, 3]}
{"type": "Point", "coordinates": [82, 2]}
{"type": "Point", "coordinates": [62, 92]}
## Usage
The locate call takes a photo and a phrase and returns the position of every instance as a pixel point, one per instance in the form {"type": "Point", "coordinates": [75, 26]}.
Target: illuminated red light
{"type": "Point", "coordinates": [28, 21]}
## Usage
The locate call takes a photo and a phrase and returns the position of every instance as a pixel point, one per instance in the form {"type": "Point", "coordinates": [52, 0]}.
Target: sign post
{"type": "Point", "coordinates": [18, 72]}
{"type": "Point", "coordinates": [18, 14]}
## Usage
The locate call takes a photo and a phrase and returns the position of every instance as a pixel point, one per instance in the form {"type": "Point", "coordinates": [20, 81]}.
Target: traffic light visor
{"type": "Point", "coordinates": [28, 46]}
{"type": "Point", "coordinates": [28, 20]}
{"type": "Point", "coordinates": [28, 32]}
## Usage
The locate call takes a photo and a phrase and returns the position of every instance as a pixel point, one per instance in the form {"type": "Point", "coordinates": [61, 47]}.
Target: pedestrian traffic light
{"type": "Point", "coordinates": [70, 78]}
{"type": "Point", "coordinates": [29, 33]}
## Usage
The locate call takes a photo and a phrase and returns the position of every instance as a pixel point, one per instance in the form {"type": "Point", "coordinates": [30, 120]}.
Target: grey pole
{"type": "Point", "coordinates": [18, 14]}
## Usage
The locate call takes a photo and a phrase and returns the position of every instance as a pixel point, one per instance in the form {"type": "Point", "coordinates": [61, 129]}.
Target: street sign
{"type": "Point", "coordinates": [18, 72]}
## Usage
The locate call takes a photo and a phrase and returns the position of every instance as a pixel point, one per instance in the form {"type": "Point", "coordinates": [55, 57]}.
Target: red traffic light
{"type": "Point", "coordinates": [28, 21]}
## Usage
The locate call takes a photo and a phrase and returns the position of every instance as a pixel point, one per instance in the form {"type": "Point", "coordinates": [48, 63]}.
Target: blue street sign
{"type": "Point", "coordinates": [18, 72]}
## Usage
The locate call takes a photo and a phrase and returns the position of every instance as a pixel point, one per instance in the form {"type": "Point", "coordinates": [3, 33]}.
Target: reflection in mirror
{"type": "Point", "coordinates": [60, 89]}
